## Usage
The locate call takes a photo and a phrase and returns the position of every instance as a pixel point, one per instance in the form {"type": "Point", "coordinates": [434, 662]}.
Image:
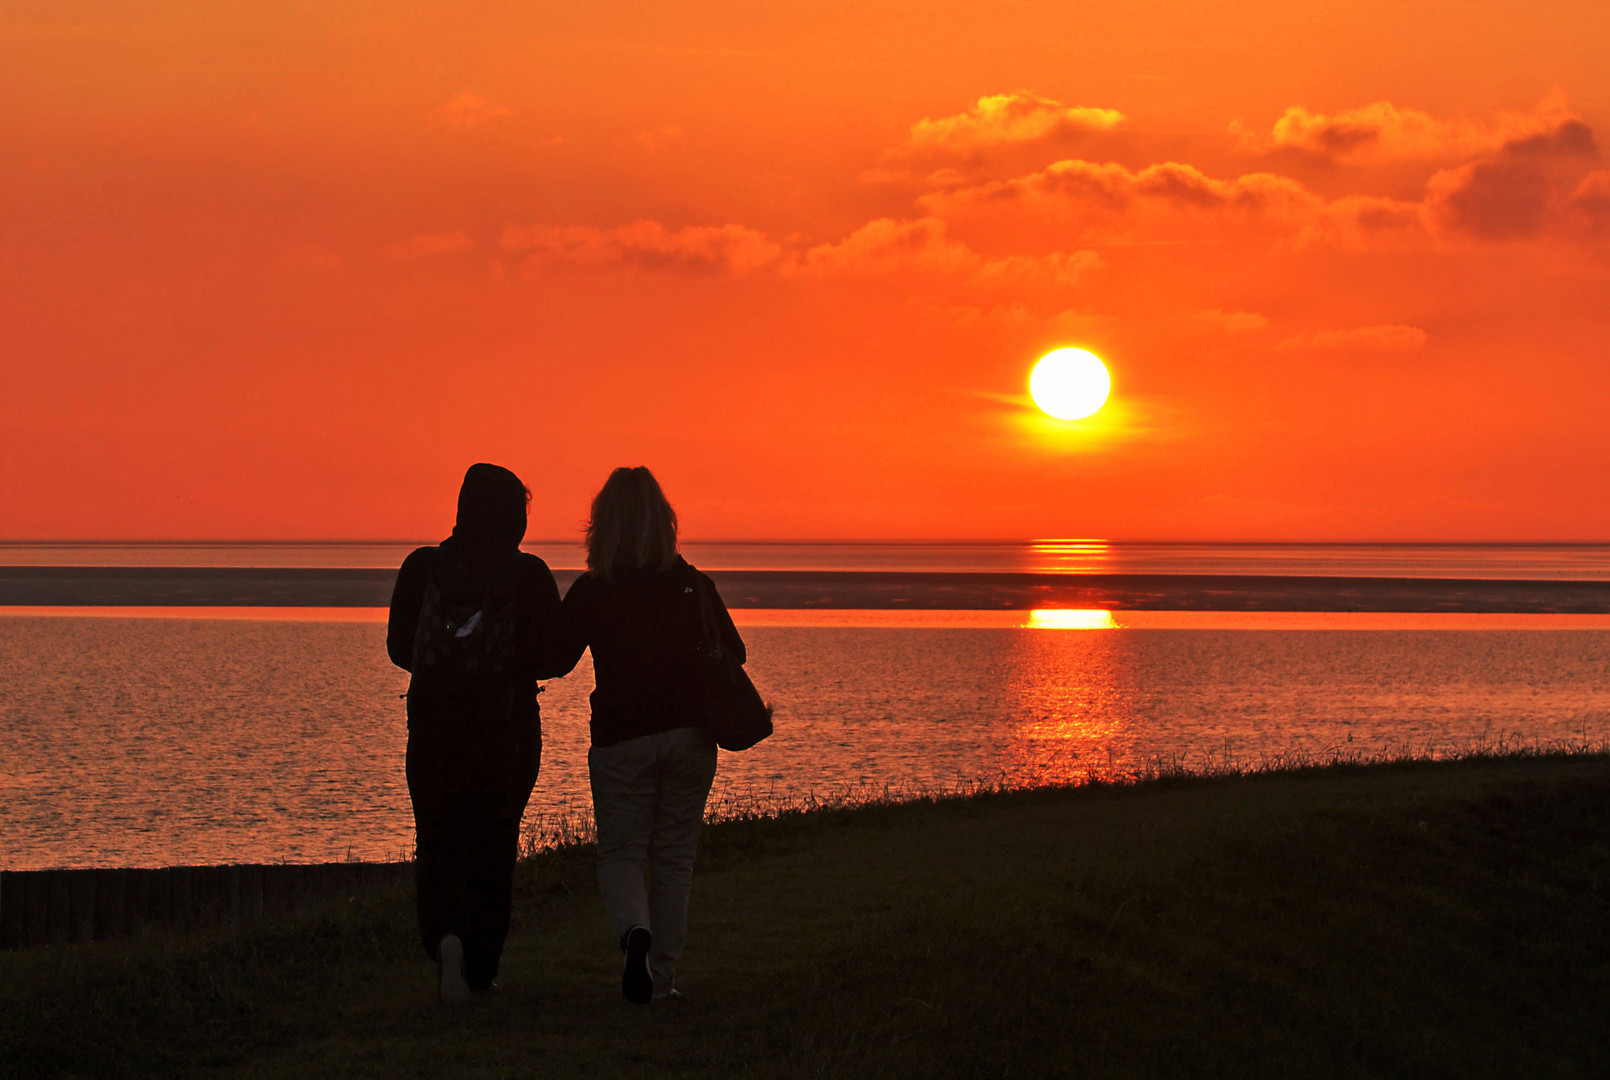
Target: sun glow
{"type": "Point", "coordinates": [1070, 384]}
{"type": "Point", "coordinates": [1071, 619]}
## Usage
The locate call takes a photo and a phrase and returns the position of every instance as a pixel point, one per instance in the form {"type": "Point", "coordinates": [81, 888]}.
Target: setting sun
{"type": "Point", "coordinates": [1070, 384]}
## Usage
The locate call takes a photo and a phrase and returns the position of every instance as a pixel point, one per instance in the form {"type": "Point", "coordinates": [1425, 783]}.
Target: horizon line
{"type": "Point", "coordinates": [823, 541]}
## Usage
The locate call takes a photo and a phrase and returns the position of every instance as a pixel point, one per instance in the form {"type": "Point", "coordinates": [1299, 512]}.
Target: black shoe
{"type": "Point", "coordinates": [637, 985]}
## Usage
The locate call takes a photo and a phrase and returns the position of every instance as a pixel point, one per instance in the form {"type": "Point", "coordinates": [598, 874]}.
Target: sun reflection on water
{"type": "Point", "coordinates": [1071, 700]}
{"type": "Point", "coordinates": [1070, 556]}
{"type": "Point", "coordinates": [1071, 619]}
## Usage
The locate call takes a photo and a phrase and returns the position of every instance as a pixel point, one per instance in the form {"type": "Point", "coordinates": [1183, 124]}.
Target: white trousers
{"type": "Point", "coordinates": [648, 800]}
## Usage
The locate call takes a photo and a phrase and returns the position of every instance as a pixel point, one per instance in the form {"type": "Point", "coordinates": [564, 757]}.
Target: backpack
{"type": "Point", "coordinates": [470, 624]}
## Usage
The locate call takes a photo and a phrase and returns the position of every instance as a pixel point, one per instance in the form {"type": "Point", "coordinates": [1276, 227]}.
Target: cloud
{"type": "Point", "coordinates": [1569, 139]}
{"type": "Point", "coordinates": [1382, 129]}
{"type": "Point", "coordinates": [1495, 200]}
{"type": "Point", "coordinates": [883, 175]}
{"type": "Point", "coordinates": [1365, 222]}
{"type": "Point", "coordinates": [656, 138]}
{"type": "Point", "coordinates": [1078, 203]}
{"type": "Point", "coordinates": [1023, 272]}
{"type": "Point", "coordinates": [887, 246]}
{"type": "Point", "coordinates": [983, 317]}
{"type": "Point", "coordinates": [1070, 324]}
{"type": "Point", "coordinates": [427, 244]}
{"type": "Point", "coordinates": [1002, 120]}
{"type": "Point", "coordinates": [1383, 339]}
{"type": "Point", "coordinates": [1110, 186]}
{"type": "Point", "coordinates": [1522, 183]}
{"type": "Point", "coordinates": [1590, 202]}
{"type": "Point", "coordinates": [884, 248]}
{"type": "Point", "coordinates": [644, 245]}
{"type": "Point", "coordinates": [1529, 186]}
{"type": "Point", "coordinates": [468, 111]}
{"type": "Point", "coordinates": [1516, 191]}
{"type": "Point", "coordinates": [922, 246]}
{"type": "Point", "coordinates": [1230, 322]}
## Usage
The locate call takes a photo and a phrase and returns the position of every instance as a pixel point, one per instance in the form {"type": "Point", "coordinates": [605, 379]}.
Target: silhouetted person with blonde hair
{"type": "Point", "coordinates": [652, 761]}
{"type": "Point", "coordinates": [469, 620]}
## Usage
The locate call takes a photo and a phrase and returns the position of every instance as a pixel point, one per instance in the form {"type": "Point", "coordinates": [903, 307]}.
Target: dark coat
{"type": "Point", "coordinates": [644, 628]}
{"type": "Point", "coordinates": [474, 740]}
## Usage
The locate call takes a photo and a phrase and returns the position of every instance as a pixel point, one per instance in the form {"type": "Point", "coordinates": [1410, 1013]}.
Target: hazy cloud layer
{"type": "Point", "coordinates": [1379, 339]}
{"type": "Point", "coordinates": [1026, 272]}
{"type": "Point", "coordinates": [1382, 129]}
{"type": "Point", "coordinates": [1361, 222]}
{"type": "Point", "coordinates": [1533, 173]}
{"type": "Point", "coordinates": [643, 245]}
{"type": "Point", "coordinates": [886, 246]}
{"type": "Point", "coordinates": [656, 138]}
{"type": "Point", "coordinates": [923, 247]}
{"type": "Point", "coordinates": [1534, 177]}
{"type": "Point", "coordinates": [468, 111]}
{"type": "Point", "coordinates": [1231, 322]}
{"type": "Point", "coordinates": [1530, 172]}
{"type": "Point", "coordinates": [427, 244]}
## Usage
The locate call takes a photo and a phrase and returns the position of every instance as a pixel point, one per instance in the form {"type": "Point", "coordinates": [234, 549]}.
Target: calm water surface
{"type": "Point", "coordinates": [146, 740]}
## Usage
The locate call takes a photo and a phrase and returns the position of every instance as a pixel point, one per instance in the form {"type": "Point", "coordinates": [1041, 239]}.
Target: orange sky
{"type": "Point", "coordinates": [283, 270]}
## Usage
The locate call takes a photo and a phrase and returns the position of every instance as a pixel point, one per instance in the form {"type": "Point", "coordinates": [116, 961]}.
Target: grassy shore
{"type": "Point", "coordinates": [1422, 919]}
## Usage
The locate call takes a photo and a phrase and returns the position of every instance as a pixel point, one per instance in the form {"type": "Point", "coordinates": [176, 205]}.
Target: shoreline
{"type": "Point", "coordinates": [56, 906]}
{"type": "Point", "coordinates": [1441, 918]}
{"type": "Point", "coordinates": [115, 586]}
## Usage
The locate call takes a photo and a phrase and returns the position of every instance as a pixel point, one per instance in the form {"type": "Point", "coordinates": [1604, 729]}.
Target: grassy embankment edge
{"type": "Point", "coordinates": [1352, 918]}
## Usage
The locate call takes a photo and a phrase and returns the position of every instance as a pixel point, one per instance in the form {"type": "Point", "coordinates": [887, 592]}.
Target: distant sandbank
{"type": "Point", "coordinates": [36, 586]}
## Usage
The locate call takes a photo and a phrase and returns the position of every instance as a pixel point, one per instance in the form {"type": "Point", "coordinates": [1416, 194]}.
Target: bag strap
{"type": "Point", "coordinates": [710, 643]}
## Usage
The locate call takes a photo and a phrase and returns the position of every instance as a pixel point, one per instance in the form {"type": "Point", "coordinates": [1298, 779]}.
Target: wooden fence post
{"type": "Point", "coordinates": [13, 909]}
{"type": "Point", "coordinates": [111, 903]}
{"type": "Point", "coordinates": [81, 890]}
{"type": "Point", "coordinates": [36, 930]}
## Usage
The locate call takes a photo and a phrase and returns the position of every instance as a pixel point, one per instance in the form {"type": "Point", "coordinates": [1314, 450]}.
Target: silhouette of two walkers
{"type": "Point", "coordinates": [477, 622]}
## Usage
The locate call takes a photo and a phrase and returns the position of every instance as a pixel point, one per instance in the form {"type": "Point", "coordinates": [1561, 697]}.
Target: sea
{"type": "Point", "coordinates": [154, 736]}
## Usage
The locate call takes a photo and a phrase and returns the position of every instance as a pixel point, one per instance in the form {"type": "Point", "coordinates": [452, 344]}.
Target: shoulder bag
{"type": "Point", "coordinates": [733, 709]}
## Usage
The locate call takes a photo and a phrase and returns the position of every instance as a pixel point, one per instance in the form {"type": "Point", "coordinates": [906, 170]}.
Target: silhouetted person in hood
{"type": "Point", "coordinates": [468, 618]}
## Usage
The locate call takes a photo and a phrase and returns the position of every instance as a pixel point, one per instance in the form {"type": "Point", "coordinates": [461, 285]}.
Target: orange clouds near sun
{"type": "Point", "coordinates": [1006, 118]}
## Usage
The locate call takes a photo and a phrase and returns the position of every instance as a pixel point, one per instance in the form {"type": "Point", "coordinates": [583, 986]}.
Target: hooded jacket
{"type": "Point", "coordinates": [482, 555]}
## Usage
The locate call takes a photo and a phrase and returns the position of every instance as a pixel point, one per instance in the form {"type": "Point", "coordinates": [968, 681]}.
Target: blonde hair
{"type": "Point", "coordinates": [632, 524]}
